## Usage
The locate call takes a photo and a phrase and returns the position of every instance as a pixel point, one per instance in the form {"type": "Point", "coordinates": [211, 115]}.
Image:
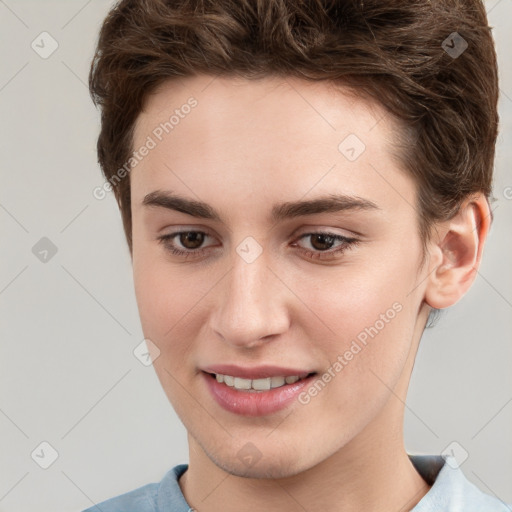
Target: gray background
{"type": "Point", "coordinates": [70, 324]}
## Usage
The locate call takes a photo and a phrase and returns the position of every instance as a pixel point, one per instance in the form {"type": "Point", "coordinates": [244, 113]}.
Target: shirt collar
{"type": "Point", "coordinates": [451, 490]}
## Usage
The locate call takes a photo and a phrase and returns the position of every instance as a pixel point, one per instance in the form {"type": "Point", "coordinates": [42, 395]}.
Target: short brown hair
{"type": "Point", "coordinates": [403, 53]}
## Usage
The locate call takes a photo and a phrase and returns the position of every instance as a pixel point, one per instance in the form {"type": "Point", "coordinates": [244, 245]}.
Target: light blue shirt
{"type": "Point", "coordinates": [450, 492]}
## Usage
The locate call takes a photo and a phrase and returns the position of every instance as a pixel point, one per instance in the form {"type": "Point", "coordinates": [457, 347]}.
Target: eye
{"type": "Point", "coordinates": [322, 243]}
{"type": "Point", "coordinates": [189, 240]}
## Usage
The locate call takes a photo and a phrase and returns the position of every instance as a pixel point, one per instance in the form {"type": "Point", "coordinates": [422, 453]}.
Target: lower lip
{"type": "Point", "coordinates": [254, 403]}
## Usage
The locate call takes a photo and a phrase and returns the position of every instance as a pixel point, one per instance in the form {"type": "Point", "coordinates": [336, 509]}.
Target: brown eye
{"type": "Point", "coordinates": [191, 239]}
{"type": "Point", "coordinates": [322, 242]}
{"type": "Point", "coordinates": [326, 245]}
{"type": "Point", "coordinates": [186, 244]}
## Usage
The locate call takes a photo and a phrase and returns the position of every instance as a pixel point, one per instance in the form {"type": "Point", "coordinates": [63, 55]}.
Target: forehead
{"type": "Point", "coordinates": [276, 135]}
{"type": "Point", "coordinates": [270, 107]}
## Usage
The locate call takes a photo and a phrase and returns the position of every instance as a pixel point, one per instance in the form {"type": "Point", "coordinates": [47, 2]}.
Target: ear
{"type": "Point", "coordinates": [456, 252]}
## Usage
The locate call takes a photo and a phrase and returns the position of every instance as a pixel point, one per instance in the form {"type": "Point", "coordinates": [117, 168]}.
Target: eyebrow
{"type": "Point", "coordinates": [288, 210]}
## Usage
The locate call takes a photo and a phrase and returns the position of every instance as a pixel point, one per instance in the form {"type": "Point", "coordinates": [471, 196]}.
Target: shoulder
{"type": "Point", "coordinates": [164, 496]}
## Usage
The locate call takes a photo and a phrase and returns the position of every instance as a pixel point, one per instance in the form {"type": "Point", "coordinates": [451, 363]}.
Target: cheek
{"type": "Point", "coordinates": [366, 325]}
{"type": "Point", "coordinates": [352, 299]}
{"type": "Point", "coordinates": [165, 302]}
{"type": "Point", "coordinates": [153, 297]}
{"type": "Point", "coordinates": [366, 357]}
{"type": "Point", "coordinates": [168, 299]}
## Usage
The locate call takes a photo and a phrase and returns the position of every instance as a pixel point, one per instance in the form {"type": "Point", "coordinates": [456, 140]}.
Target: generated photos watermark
{"type": "Point", "coordinates": [151, 142]}
{"type": "Point", "coordinates": [356, 346]}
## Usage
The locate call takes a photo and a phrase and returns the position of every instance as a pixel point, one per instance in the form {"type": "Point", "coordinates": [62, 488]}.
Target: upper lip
{"type": "Point", "coordinates": [255, 372]}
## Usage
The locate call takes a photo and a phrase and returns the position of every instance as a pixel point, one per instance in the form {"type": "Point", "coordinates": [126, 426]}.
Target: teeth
{"type": "Point", "coordinates": [242, 383]}
{"type": "Point", "coordinates": [256, 384]}
{"type": "Point", "coordinates": [275, 382]}
{"type": "Point", "coordinates": [262, 384]}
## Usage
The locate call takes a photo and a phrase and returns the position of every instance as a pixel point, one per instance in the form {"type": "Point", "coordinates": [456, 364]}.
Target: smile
{"type": "Point", "coordinates": [255, 397]}
{"type": "Point", "coordinates": [256, 384]}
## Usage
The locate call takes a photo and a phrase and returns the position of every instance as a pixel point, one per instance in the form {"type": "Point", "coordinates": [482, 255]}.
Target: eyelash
{"type": "Point", "coordinates": [348, 243]}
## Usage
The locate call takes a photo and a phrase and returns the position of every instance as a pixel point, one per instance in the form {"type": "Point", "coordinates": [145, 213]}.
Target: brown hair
{"type": "Point", "coordinates": [406, 54]}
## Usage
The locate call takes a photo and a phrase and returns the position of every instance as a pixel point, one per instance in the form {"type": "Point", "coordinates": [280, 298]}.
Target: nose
{"type": "Point", "coordinates": [250, 306]}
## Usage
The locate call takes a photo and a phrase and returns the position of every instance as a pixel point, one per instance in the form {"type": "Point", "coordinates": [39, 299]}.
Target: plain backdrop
{"type": "Point", "coordinates": [70, 324]}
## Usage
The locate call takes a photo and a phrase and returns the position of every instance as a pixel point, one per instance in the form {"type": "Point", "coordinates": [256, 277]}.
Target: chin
{"type": "Point", "coordinates": [270, 469]}
{"type": "Point", "coordinates": [271, 465]}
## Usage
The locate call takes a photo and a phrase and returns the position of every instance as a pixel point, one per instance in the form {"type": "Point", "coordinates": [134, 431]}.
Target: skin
{"type": "Point", "coordinates": [246, 146]}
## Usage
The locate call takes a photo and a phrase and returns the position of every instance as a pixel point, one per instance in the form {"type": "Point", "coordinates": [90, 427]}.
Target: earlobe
{"type": "Point", "coordinates": [457, 252]}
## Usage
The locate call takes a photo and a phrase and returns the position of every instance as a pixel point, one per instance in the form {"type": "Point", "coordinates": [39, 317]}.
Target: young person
{"type": "Point", "coordinates": [302, 184]}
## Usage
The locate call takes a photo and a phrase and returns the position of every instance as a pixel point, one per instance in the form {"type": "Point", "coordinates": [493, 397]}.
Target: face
{"type": "Point", "coordinates": [274, 234]}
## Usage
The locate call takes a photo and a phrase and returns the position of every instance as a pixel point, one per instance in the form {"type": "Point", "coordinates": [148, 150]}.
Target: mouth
{"type": "Point", "coordinates": [256, 390]}
{"type": "Point", "coordinates": [270, 389]}
{"type": "Point", "coordinates": [258, 385]}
